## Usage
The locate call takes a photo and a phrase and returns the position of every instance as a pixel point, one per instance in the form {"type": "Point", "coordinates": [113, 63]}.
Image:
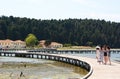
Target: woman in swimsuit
{"type": "Point", "coordinates": [109, 54]}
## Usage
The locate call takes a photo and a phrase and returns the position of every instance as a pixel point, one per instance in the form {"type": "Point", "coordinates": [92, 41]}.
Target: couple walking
{"type": "Point", "coordinates": [103, 54]}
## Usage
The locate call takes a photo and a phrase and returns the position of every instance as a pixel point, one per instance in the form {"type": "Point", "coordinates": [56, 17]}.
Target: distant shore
{"type": "Point", "coordinates": [82, 48]}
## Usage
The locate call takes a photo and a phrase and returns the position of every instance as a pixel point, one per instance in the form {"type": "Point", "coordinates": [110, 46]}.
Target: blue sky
{"type": "Point", "coordinates": [108, 10]}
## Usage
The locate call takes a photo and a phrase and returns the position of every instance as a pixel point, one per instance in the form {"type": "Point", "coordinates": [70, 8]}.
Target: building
{"type": "Point", "coordinates": [6, 43]}
{"type": "Point", "coordinates": [42, 43]}
{"type": "Point", "coordinates": [19, 44]}
{"type": "Point", "coordinates": [56, 45]}
{"type": "Point", "coordinates": [12, 44]}
{"type": "Point", "coordinates": [52, 45]}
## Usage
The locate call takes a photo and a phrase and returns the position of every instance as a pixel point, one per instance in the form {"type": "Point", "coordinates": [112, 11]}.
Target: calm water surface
{"type": "Point", "coordinates": [114, 56]}
{"type": "Point", "coordinates": [12, 67]}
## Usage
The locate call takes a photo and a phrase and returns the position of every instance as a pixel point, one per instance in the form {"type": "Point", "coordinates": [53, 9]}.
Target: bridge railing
{"type": "Point", "coordinates": [55, 57]}
{"type": "Point", "coordinates": [55, 51]}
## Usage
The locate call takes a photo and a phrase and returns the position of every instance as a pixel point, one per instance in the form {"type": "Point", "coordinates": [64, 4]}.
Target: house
{"type": "Point", "coordinates": [42, 43]}
{"type": "Point", "coordinates": [12, 44]}
{"type": "Point", "coordinates": [6, 43]}
{"type": "Point", "coordinates": [52, 45]}
{"type": "Point", "coordinates": [56, 45]}
{"type": "Point", "coordinates": [19, 44]}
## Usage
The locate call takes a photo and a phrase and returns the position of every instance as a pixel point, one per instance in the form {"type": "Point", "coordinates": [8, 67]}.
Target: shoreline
{"type": "Point", "coordinates": [84, 49]}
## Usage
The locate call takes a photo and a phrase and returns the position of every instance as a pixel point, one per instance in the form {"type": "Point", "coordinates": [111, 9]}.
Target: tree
{"type": "Point", "coordinates": [89, 43]}
{"type": "Point", "coordinates": [31, 40]}
{"type": "Point", "coordinates": [67, 45]}
{"type": "Point", "coordinates": [70, 31]}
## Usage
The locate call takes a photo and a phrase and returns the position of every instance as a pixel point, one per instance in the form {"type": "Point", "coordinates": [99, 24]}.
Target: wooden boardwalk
{"type": "Point", "coordinates": [101, 71]}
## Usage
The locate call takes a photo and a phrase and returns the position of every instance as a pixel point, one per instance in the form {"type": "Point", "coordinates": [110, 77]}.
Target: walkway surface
{"type": "Point", "coordinates": [100, 71]}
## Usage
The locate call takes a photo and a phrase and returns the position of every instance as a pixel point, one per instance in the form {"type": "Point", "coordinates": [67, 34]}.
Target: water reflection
{"type": "Point", "coordinates": [42, 69]}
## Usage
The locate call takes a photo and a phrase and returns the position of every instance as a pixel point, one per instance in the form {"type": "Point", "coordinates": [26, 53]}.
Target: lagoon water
{"type": "Point", "coordinates": [115, 57]}
{"type": "Point", "coordinates": [12, 67]}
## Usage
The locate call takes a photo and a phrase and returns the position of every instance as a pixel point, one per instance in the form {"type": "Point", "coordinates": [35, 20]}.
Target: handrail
{"type": "Point", "coordinates": [56, 57]}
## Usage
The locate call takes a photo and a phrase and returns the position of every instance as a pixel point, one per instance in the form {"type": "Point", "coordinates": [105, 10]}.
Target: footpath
{"type": "Point", "coordinates": [101, 71]}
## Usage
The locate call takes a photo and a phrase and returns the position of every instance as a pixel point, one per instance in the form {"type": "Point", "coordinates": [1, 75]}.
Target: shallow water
{"type": "Point", "coordinates": [114, 56]}
{"type": "Point", "coordinates": [13, 68]}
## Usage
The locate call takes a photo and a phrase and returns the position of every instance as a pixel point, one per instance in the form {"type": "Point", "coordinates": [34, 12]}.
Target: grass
{"type": "Point", "coordinates": [76, 48]}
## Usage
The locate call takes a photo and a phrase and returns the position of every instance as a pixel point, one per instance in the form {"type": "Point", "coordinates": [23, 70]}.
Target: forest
{"type": "Point", "coordinates": [83, 32]}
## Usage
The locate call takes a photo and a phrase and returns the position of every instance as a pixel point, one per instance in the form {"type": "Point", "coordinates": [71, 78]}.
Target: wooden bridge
{"type": "Point", "coordinates": [95, 70]}
{"type": "Point", "coordinates": [55, 57]}
{"type": "Point", "coordinates": [67, 51]}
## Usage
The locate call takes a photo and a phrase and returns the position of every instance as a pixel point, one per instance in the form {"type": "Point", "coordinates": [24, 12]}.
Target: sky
{"type": "Point", "coordinates": [108, 10]}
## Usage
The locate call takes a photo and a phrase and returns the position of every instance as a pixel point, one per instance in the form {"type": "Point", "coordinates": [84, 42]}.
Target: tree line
{"type": "Point", "coordinates": [68, 31]}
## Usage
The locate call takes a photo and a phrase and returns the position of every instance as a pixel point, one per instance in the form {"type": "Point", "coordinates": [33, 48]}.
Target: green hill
{"type": "Point", "coordinates": [69, 31]}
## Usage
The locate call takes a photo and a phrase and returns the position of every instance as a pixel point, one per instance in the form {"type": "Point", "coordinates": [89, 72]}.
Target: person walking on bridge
{"type": "Point", "coordinates": [99, 55]}
{"type": "Point", "coordinates": [108, 54]}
